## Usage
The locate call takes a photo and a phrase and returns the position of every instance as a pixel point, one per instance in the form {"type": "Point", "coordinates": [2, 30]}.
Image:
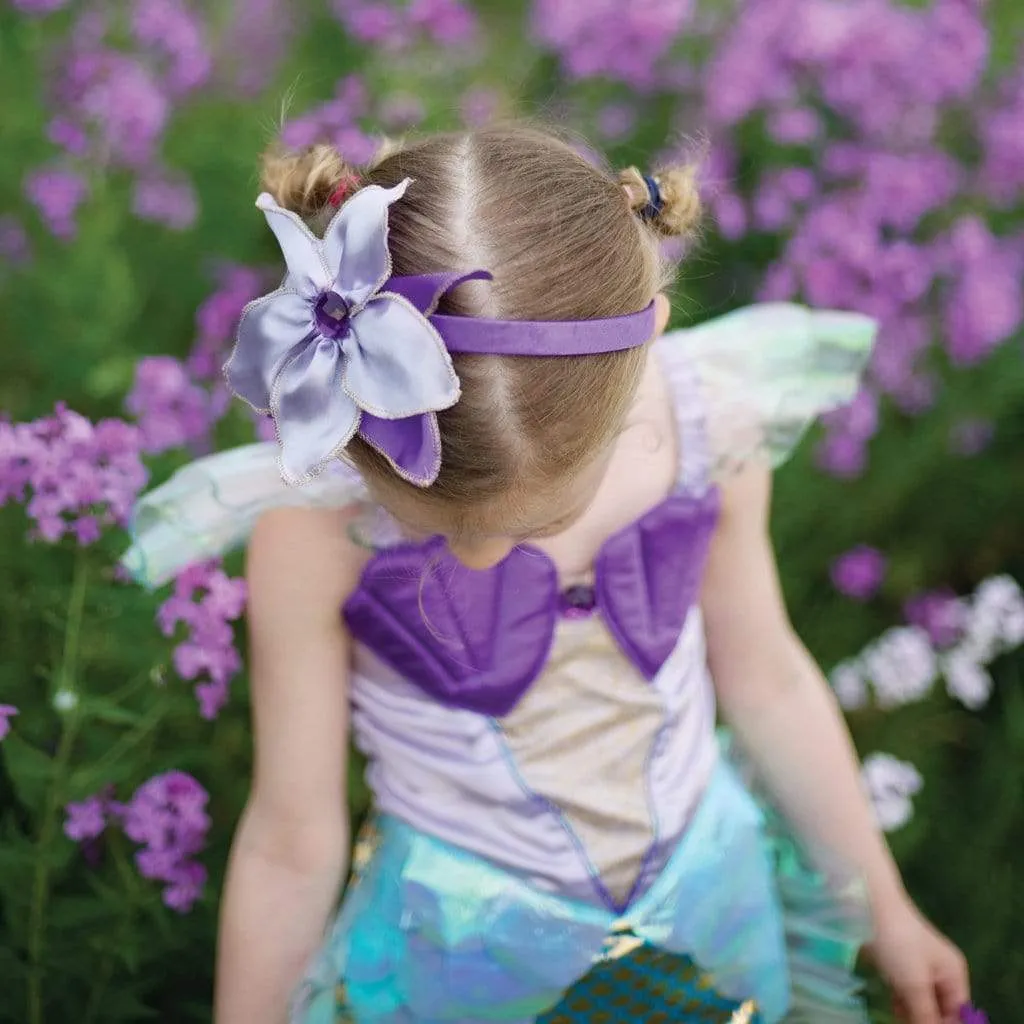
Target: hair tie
{"type": "Point", "coordinates": [342, 189]}
{"type": "Point", "coordinates": [655, 202]}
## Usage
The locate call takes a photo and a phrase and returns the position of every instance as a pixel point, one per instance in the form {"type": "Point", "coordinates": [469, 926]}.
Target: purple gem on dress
{"type": "Point", "coordinates": [577, 602]}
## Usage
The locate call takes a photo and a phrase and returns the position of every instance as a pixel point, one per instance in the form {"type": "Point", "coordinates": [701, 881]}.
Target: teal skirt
{"type": "Point", "coordinates": [735, 928]}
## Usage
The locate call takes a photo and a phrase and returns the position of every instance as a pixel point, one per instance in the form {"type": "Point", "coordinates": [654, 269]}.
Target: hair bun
{"type": "Point", "coordinates": [305, 180]}
{"type": "Point", "coordinates": [678, 199]}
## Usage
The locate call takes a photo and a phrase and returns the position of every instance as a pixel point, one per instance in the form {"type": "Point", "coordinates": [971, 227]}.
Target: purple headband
{"type": "Point", "coordinates": [343, 347]}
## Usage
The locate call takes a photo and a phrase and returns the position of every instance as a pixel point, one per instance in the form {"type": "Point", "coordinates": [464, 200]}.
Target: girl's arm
{"type": "Point", "coordinates": [289, 853]}
{"type": "Point", "coordinates": [784, 716]}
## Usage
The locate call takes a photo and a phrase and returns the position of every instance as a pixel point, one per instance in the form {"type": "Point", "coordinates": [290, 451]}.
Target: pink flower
{"type": "Point", "coordinates": [38, 6]}
{"type": "Point", "coordinates": [187, 882]}
{"type": "Point", "coordinates": [859, 572]}
{"type": "Point", "coordinates": [206, 600]}
{"type": "Point", "coordinates": [171, 409]}
{"type": "Point", "coordinates": [75, 476]}
{"type": "Point", "coordinates": [165, 201]}
{"type": "Point", "coordinates": [14, 244]}
{"type": "Point", "coordinates": [608, 39]}
{"type": "Point", "coordinates": [940, 613]}
{"type": "Point", "coordinates": [175, 33]}
{"type": "Point", "coordinates": [7, 712]}
{"type": "Point", "coordinates": [57, 192]}
{"type": "Point", "coordinates": [167, 817]}
{"type": "Point", "coordinates": [479, 106]}
{"type": "Point", "coordinates": [85, 820]}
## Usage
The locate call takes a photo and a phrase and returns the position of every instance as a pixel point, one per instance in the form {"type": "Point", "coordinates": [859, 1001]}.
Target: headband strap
{"type": "Point", "coordinates": [480, 336]}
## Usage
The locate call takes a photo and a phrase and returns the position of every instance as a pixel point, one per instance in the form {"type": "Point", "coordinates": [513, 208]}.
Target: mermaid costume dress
{"type": "Point", "coordinates": [559, 833]}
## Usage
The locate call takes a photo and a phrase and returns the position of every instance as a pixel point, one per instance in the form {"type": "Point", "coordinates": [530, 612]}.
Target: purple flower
{"type": "Point", "coordinates": [166, 201]}
{"type": "Point", "coordinates": [14, 244]}
{"type": "Point", "coordinates": [940, 613]}
{"type": "Point", "coordinates": [187, 882]}
{"type": "Point", "coordinates": [172, 31]}
{"type": "Point", "coordinates": [616, 120]}
{"type": "Point", "coordinates": [85, 820]}
{"type": "Point", "coordinates": [167, 818]}
{"type": "Point", "coordinates": [1002, 171]}
{"type": "Point", "coordinates": [69, 135]}
{"type": "Point", "coordinates": [7, 712]}
{"type": "Point", "coordinates": [394, 27]}
{"type": "Point", "coordinates": [970, 1014]}
{"type": "Point", "coordinates": [211, 696]}
{"type": "Point", "coordinates": [57, 192]}
{"type": "Point", "coordinates": [794, 125]}
{"type": "Point", "coordinates": [117, 98]}
{"type": "Point", "coordinates": [255, 41]}
{"type": "Point", "coordinates": [479, 106]}
{"type": "Point", "coordinates": [446, 22]}
{"type": "Point", "coordinates": [336, 122]}
{"type": "Point", "coordinates": [67, 469]}
{"type": "Point", "coordinates": [402, 110]}
{"type": "Point", "coordinates": [971, 436]}
{"type": "Point", "coordinates": [171, 410]}
{"type": "Point", "coordinates": [208, 653]}
{"type": "Point", "coordinates": [217, 319]}
{"type": "Point", "coordinates": [859, 572]}
{"type": "Point", "coordinates": [609, 39]}
{"type": "Point", "coordinates": [985, 305]}
{"type": "Point", "coordinates": [38, 6]}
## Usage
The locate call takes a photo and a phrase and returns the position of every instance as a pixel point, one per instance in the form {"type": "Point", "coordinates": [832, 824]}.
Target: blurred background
{"type": "Point", "coordinates": [863, 154]}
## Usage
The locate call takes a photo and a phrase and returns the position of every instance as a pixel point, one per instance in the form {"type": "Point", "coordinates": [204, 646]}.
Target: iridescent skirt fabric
{"type": "Point", "coordinates": [735, 925]}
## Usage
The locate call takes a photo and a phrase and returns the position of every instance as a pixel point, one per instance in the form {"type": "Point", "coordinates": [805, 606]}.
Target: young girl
{"type": "Point", "coordinates": [518, 541]}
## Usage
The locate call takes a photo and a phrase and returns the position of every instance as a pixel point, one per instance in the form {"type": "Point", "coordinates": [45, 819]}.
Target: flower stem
{"type": "Point", "coordinates": [69, 728]}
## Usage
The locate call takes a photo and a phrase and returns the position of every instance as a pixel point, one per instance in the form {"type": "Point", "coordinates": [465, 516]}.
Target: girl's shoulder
{"type": "Point", "coordinates": [212, 505]}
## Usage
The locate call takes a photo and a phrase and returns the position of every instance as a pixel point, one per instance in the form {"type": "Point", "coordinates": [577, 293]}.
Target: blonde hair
{"type": "Point", "coordinates": [563, 240]}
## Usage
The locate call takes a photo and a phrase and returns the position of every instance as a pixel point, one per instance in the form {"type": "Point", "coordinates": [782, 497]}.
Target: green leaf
{"type": "Point", "coordinates": [107, 711]}
{"type": "Point", "coordinates": [31, 771]}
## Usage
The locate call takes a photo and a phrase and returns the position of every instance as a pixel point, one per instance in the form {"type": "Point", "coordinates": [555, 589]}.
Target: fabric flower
{"type": "Point", "coordinates": [330, 353]}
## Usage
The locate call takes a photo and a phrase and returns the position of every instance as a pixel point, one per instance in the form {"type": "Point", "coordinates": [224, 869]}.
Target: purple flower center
{"type": "Point", "coordinates": [332, 315]}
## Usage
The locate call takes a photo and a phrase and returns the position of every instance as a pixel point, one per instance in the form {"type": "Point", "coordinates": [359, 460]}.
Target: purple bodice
{"type": "Point", "coordinates": [476, 640]}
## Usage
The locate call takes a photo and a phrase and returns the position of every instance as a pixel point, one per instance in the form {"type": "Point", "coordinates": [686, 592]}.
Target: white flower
{"type": "Point", "coordinates": [995, 622]}
{"type": "Point", "coordinates": [901, 665]}
{"type": "Point", "coordinates": [850, 688]}
{"type": "Point", "coordinates": [65, 700]}
{"type": "Point", "coordinates": [966, 679]}
{"type": "Point", "coordinates": [890, 784]}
